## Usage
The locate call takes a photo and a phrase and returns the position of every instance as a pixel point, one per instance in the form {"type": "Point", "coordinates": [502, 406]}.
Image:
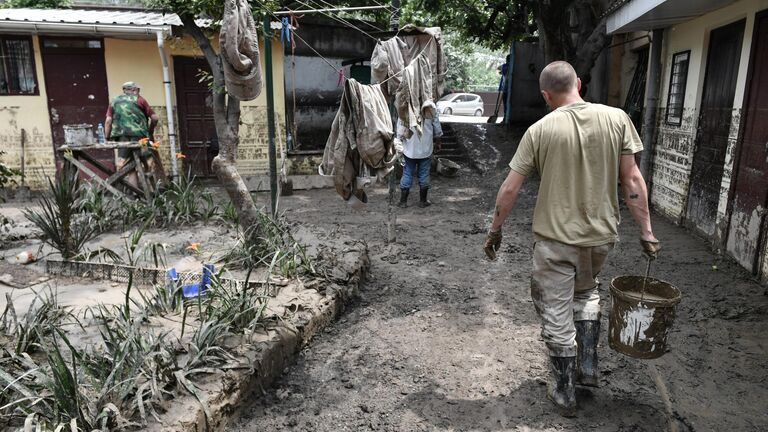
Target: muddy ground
{"type": "Point", "coordinates": [441, 339]}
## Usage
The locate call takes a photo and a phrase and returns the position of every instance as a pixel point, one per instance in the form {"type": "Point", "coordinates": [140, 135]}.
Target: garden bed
{"type": "Point", "coordinates": [110, 343]}
{"type": "Point", "coordinates": [213, 367]}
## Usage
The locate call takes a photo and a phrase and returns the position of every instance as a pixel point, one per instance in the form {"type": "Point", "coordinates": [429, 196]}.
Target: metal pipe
{"type": "Point", "coordinates": [168, 104]}
{"type": "Point", "coordinates": [651, 105]}
{"type": "Point", "coordinates": [270, 114]}
{"type": "Point", "coordinates": [37, 26]}
{"type": "Point", "coordinates": [342, 9]}
{"type": "Point", "coordinates": [23, 162]}
{"type": "Point", "coordinates": [394, 24]}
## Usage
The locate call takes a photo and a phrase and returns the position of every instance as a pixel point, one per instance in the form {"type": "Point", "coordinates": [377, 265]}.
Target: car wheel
{"type": "Point", "coordinates": [448, 111]}
{"type": "Point", "coordinates": [478, 113]}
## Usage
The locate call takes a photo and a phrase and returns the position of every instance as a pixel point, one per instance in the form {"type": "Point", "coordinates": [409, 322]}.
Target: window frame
{"type": "Point", "coordinates": [5, 37]}
{"type": "Point", "coordinates": [677, 120]}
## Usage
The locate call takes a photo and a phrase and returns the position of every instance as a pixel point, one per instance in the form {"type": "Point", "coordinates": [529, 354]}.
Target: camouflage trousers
{"type": "Point", "coordinates": [564, 289]}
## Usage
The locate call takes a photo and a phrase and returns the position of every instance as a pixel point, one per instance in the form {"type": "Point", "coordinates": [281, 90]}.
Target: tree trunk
{"type": "Point", "coordinates": [580, 44]}
{"type": "Point", "coordinates": [226, 115]}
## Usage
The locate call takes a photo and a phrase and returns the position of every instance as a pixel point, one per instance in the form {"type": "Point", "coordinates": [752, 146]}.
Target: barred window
{"type": "Point", "coordinates": [17, 71]}
{"type": "Point", "coordinates": [677, 82]}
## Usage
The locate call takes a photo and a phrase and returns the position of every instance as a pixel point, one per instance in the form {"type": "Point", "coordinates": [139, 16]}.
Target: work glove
{"type": "Point", "coordinates": [492, 243]}
{"type": "Point", "coordinates": [651, 248]}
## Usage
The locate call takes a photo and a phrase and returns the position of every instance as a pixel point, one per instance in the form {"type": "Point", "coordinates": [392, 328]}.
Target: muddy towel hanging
{"type": "Point", "coordinates": [361, 141]}
{"type": "Point", "coordinates": [240, 51]}
{"type": "Point", "coordinates": [388, 59]}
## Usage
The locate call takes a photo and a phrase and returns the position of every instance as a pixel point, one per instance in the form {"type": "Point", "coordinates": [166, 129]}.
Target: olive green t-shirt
{"type": "Point", "coordinates": [576, 149]}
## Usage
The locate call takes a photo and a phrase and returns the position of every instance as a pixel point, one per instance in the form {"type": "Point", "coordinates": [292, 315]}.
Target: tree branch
{"type": "Point", "coordinates": [590, 50]}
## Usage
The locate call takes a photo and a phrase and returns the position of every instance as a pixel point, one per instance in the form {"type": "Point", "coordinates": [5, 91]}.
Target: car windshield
{"type": "Point", "coordinates": [447, 97]}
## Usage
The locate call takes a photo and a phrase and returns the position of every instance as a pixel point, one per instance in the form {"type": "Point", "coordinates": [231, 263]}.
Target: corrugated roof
{"type": "Point", "coordinates": [88, 16]}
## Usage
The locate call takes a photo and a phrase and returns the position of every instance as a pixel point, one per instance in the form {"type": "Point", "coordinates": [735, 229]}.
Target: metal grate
{"type": "Point", "coordinates": [146, 276]}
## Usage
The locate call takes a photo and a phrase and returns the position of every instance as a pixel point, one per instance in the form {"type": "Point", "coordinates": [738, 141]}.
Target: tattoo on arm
{"type": "Point", "coordinates": [634, 196]}
{"type": "Point", "coordinates": [498, 213]}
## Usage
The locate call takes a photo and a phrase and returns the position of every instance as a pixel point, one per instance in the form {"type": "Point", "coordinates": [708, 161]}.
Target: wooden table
{"type": "Point", "coordinates": [150, 176]}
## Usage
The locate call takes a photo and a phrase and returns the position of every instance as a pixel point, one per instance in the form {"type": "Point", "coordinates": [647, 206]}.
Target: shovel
{"type": "Point", "coordinates": [495, 116]}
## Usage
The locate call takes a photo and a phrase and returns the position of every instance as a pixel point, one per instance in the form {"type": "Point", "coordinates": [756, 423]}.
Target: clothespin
{"type": "Point", "coordinates": [342, 77]}
{"type": "Point", "coordinates": [285, 33]}
{"type": "Point", "coordinates": [295, 25]}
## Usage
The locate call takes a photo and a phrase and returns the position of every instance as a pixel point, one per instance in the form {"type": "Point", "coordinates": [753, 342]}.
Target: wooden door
{"type": "Point", "coordinates": [714, 126]}
{"type": "Point", "coordinates": [750, 188]}
{"type": "Point", "coordinates": [196, 125]}
{"type": "Point", "coordinates": [76, 85]}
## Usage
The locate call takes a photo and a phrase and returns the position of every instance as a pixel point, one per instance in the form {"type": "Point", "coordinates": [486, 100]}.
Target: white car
{"type": "Point", "coordinates": [460, 104]}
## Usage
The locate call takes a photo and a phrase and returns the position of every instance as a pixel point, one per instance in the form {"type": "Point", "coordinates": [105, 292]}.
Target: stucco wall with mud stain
{"type": "Point", "coordinates": [672, 159]}
{"type": "Point", "coordinates": [134, 60]}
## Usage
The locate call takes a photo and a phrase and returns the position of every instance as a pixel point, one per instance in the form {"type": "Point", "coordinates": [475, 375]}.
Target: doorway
{"type": "Point", "coordinates": [197, 129]}
{"type": "Point", "coordinates": [76, 84]}
{"type": "Point", "coordinates": [750, 189]}
{"type": "Point", "coordinates": [714, 126]}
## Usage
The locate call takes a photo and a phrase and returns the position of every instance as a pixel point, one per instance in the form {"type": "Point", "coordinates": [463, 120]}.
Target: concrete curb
{"type": "Point", "coordinates": [225, 391]}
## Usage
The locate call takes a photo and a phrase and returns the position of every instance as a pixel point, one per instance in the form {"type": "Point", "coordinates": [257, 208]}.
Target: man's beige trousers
{"type": "Point", "coordinates": [564, 290]}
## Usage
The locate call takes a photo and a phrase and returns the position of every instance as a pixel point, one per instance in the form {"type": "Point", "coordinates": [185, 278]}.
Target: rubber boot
{"type": "Point", "coordinates": [403, 198]}
{"type": "Point", "coordinates": [423, 201]}
{"type": "Point", "coordinates": [587, 336]}
{"type": "Point", "coordinates": [562, 389]}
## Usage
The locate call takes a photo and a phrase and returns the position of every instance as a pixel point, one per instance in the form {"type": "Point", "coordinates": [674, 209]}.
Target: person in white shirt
{"type": "Point", "coordinates": [418, 154]}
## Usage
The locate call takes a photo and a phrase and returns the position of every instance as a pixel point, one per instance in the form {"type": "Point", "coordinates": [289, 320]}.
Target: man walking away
{"type": "Point", "coordinates": [418, 154]}
{"type": "Point", "coordinates": [580, 150]}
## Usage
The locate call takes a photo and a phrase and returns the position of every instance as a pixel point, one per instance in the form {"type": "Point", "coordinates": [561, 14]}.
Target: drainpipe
{"type": "Point", "coordinates": [168, 104]}
{"type": "Point", "coordinates": [651, 105]}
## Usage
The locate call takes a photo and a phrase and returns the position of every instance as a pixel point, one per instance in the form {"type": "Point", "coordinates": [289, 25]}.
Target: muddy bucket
{"type": "Point", "coordinates": [640, 321]}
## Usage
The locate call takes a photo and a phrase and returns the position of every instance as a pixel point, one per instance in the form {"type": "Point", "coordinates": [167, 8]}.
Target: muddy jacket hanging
{"type": "Point", "coordinates": [414, 92]}
{"type": "Point", "coordinates": [361, 140]}
{"type": "Point", "coordinates": [429, 43]}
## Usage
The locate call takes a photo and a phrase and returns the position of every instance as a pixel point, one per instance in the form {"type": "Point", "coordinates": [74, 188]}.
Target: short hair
{"type": "Point", "coordinates": [558, 77]}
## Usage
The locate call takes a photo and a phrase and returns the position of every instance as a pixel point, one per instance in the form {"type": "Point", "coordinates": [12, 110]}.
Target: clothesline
{"type": "Point", "coordinates": [340, 19]}
{"type": "Point", "coordinates": [328, 62]}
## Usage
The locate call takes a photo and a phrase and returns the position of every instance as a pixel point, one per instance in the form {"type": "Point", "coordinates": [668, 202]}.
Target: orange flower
{"type": "Point", "coordinates": [194, 247]}
{"type": "Point", "coordinates": [143, 141]}
{"type": "Point", "coordinates": [180, 155]}
{"type": "Point", "coordinates": [156, 145]}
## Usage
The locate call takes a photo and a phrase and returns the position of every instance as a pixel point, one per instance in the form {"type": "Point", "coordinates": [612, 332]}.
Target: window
{"type": "Point", "coordinates": [677, 82]}
{"type": "Point", "coordinates": [17, 72]}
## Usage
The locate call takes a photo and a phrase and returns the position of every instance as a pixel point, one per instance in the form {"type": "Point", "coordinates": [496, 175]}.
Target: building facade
{"type": "Point", "coordinates": [708, 144]}
{"type": "Point", "coordinates": [63, 67]}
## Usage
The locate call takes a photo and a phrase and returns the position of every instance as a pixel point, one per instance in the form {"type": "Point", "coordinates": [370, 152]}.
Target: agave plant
{"type": "Point", "coordinates": [57, 218]}
{"type": "Point", "coordinates": [43, 314]}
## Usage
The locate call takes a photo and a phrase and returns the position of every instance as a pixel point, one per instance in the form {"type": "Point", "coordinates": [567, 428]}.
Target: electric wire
{"type": "Point", "coordinates": [341, 20]}
{"type": "Point", "coordinates": [362, 21]}
{"type": "Point", "coordinates": [296, 35]}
